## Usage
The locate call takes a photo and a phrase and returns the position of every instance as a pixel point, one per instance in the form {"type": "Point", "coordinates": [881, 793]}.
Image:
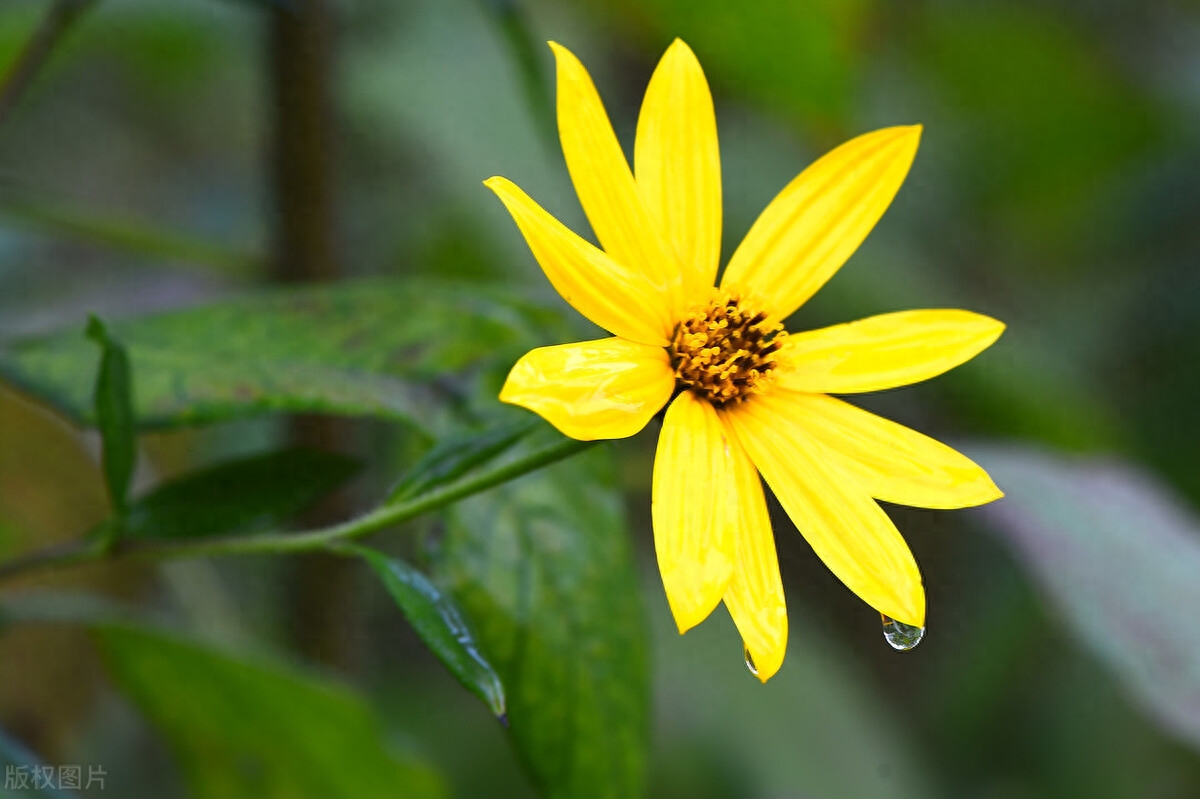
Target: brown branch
{"type": "Point", "coordinates": [303, 147]}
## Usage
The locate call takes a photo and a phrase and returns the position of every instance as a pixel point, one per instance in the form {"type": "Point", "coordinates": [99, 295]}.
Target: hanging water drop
{"type": "Point", "coordinates": [750, 661]}
{"type": "Point", "coordinates": [900, 636]}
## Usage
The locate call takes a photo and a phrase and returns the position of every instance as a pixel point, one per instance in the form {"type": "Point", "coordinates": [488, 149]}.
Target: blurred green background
{"type": "Point", "coordinates": [150, 165]}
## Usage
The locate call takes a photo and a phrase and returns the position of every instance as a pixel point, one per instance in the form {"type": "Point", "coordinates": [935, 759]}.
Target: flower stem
{"type": "Point", "coordinates": [319, 539]}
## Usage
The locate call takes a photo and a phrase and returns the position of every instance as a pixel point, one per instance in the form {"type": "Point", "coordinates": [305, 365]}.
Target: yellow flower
{"type": "Point", "coordinates": [748, 397]}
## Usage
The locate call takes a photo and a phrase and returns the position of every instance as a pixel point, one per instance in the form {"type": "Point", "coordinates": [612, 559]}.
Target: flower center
{"type": "Point", "coordinates": [725, 349]}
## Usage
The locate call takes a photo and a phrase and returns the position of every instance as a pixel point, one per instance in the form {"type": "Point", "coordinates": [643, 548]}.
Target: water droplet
{"type": "Point", "coordinates": [900, 636]}
{"type": "Point", "coordinates": [750, 661]}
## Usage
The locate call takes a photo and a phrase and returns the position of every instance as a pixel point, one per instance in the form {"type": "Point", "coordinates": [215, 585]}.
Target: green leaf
{"type": "Point", "coordinates": [1119, 554]}
{"type": "Point", "coordinates": [390, 348]}
{"type": "Point", "coordinates": [452, 457]}
{"type": "Point", "coordinates": [239, 496]}
{"type": "Point", "coordinates": [113, 408]}
{"type": "Point", "coordinates": [544, 571]}
{"type": "Point", "coordinates": [257, 729]}
{"type": "Point", "coordinates": [439, 622]}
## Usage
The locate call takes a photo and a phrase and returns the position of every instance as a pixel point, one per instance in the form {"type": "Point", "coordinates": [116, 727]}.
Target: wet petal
{"type": "Point", "coordinates": [608, 388]}
{"type": "Point", "coordinates": [691, 510]}
{"type": "Point", "coordinates": [846, 528]}
{"type": "Point", "coordinates": [817, 222]}
{"type": "Point", "coordinates": [884, 351]}
{"type": "Point", "coordinates": [678, 166]}
{"type": "Point", "coordinates": [755, 593]}
{"type": "Point", "coordinates": [614, 296]}
{"type": "Point", "coordinates": [890, 461]}
{"type": "Point", "coordinates": [605, 184]}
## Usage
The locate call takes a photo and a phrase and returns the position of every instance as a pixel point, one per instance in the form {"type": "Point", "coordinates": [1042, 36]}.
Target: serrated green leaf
{"type": "Point", "coordinates": [452, 457]}
{"type": "Point", "coordinates": [390, 348]}
{"type": "Point", "coordinates": [439, 622]}
{"type": "Point", "coordinates": [545, 573]}
{"type": "Point", "coordinates": [239, 496]}
{"type": "Point", "coordinates": [258, 729]}
{"type": "Point", "coordinates": [112, 402]}
{"type": "Point", "coordinates": [1119, 554]}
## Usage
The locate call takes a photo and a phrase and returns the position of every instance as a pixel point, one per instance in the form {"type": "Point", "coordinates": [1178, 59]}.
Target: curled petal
{"type": "Point", "coordinates": [607, 388]}
{"type": "Point", "coordinates": [692, 508]}
{"type": "Point", "coordinates": [817, 222]}
{"type": "Point", "coordinates": [844, 526]}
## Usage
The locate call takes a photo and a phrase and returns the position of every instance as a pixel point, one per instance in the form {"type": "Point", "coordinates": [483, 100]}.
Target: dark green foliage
{"type": "Point", "coordinates": [112, 410]}
{"type": "Point", "coordinates": [544, 570]}
{"type": "Point", "coordinates": [439, 622]}
{"type": "Point", "coordinates": [454, 456]}
{"type": "Point", "coordinates": [239, 496]}
{"type": "Point", "coordinates": [257, 729]}
{"type": "Point", "coordinates": [395, 349]}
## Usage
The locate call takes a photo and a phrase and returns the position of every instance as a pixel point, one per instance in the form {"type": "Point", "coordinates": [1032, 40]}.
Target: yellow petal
{"type": "Point", "coordinates": [612, 295]}
{"type": "Point", "coordinates": [604, 183]}
{"type": "Point", "coordinates": [817, 222]}
{"type": "Point", "coordinates": [884, 351]}
{"type": "Point", "coordinates": [607, 388]}
{"type": "Point", "coordinates": [678, 166]}
{"type": "Point", "coordinates": [691, 510]}
{"type": "Point", "coordinates": [755, 593]}
{"type": "Point", "coordinates": [890, 461]}
{"type": "Point", "coordinates": [845, 527]}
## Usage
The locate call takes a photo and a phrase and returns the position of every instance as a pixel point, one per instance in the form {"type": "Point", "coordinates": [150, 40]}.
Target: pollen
{"type": "Point", "coordinates": [725, 350]}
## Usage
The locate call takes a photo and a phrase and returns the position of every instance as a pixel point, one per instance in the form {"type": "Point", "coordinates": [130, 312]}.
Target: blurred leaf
{"type": "Point", "coordinates": [286, 5]}
{"type": "Point", "coordinates": [452, 457]}
{"type": "Point", "coordinates": [387, 348]}
{"type": "Point", "coordinates": [1021, 391]}
{"type": "Point", "coordinates": [439, 622]}
{"type": "Point", "coordinates": [239, 496]}
{"type": "Point", "coordinates": [257, 729]}
{"type": "Point", "coordinates": [1119, 554]}
{"type": "Point", "coordinates": [123, 234]}
{"type": "Point", "coordinates": [113, 408]}
{"type": "Point", "coordinates": [822, 727]}
{"type": "Point", "coordinates": [802, 59]}
{"type": "Point", "coordinates": [544, 571]}
{"type": "Point", "coordinates": [17, 763]}
{"type": "Point", "coordinates": [1051, 116]}
{"type": "Point", "coordinates": [526, 48]}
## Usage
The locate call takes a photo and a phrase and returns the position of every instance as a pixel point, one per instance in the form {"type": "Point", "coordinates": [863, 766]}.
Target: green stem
{"type": "Point", "coordinates": [320, 539]}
